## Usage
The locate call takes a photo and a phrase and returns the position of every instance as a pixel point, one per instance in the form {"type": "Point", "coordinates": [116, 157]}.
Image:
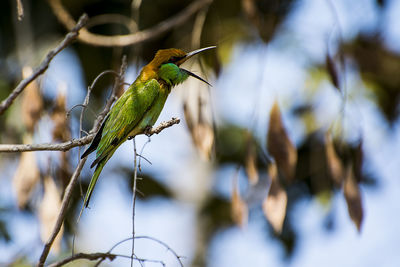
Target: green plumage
{"type": "Point", "coordinates": [138, 108]}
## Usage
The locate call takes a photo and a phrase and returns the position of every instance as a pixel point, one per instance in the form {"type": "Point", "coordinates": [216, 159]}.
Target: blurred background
{"type": "Point", "coordinates": [291, 158]}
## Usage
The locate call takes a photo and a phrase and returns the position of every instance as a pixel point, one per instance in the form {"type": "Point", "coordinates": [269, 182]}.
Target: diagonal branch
{"type": "Point", "coordinates": [69, 190]}
{"type": "Point", "coordinates": [76, 142]}
{"type": "Point", "coordinates": [69, 38]}
{"type": "Point", "coordinates": [134, 38]}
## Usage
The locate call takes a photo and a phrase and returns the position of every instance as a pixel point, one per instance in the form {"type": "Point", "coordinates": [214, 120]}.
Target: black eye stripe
{"type": "Point", "coordinates": [175, 59]}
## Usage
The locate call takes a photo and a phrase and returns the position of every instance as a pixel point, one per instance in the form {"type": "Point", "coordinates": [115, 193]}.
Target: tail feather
{"type": "Point", "coordinates": [93, 181]}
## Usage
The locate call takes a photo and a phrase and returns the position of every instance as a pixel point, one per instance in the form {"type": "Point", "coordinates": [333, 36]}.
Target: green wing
{"type": "Point", "coordinates": [123, 118]}
{"type": "Point", "coordinates": [126, 114]}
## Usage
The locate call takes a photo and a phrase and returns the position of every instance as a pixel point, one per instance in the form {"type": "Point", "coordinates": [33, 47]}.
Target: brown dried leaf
{"type": "Point", "coordinates": [332, 71]}
{"type": "Point", "coordinates": [48, 212]}
{"type": "Point", "coordinates": [64, 171]}
{"type": "Point", "coordinates": [61, 131]}
{"type": "Point", "coordinates": [251, 160]}
{"type": "Point", "coordinates": [352, 194]}
{"type": "Point", "coordinates": [203, 135]}
{"type": "Point", "coordinates": [25, 178]}
{"type": "Point", "coordinates": [274, 205]}
{"type": "Point", "coordinates": [197, 112]}
{"type": "Point", "coordinates": [20, 10]}
{"type": "Point", "coordinates": [358, 161]}
{"type": "Point", "coordinates": [334, 165]}
{"type": "Point", "coordinates": [239, 207]}
{"type": "Point", "coordinates": [280, 146]}
{"type": "Point", "coordinates": [32, 102]}
{"type": "Point", "coordinates": [250, 10]}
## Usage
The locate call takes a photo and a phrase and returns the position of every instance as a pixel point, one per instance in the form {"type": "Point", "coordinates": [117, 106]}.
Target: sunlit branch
{"type": "Point", "coordinates": [134, 38]}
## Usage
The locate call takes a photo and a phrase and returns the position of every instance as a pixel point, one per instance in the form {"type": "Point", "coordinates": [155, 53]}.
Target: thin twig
{"type": "Point", "coordinates": [152, 239]}
{"type": "Point", "coordinates": [124, 40]}
{"type": "Point", "coordinates": [71, 36]}
{"type": "Point", "coordinates": [101, 256]}
{"type": "Point", "coordinates": [163, 244]}
{"type": "Point", "coordinates": [63, 211]}
{"type": "Point", "coordinates": [134, 199]}
{"type": "Point", "coordinates": [78, 256]}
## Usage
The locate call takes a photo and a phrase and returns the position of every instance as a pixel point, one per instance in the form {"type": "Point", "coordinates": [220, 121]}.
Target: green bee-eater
{"type": "Point", "coordinates": [139, 107]}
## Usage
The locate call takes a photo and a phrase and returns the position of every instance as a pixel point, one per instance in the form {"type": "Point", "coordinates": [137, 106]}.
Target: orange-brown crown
{"type": "Point", "coordinates": [162, 56]}
{"type": "Point", "coordinates": [172, 55]}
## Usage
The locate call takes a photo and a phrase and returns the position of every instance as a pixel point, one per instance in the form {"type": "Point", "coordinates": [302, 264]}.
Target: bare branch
{"type": "Point", "coordinates": [163, 244]}
{"type": "Point", "coordinates": [91, 257]}
{"type": "Point", "coordinates": [162, 126]}
{"type": "Point", "coordinates": [100, 256]}
{"type": "Point", "coordinates": [77, 142]}
{"type": "Point", "coordinates": [47, 146]}
{"type": "Point", "coordinates": [152, 239]}
{"type": "Point", "coordinates": [71, 36]}
{"type": "Point", "coordinates": [134, 38]}
{"type": "Point", "coordinates": [63, 211]}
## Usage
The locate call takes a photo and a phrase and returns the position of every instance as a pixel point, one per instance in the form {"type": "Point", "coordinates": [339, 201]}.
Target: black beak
{"type": "Point", "coordinates": [191, 54]}
{"type": "Point", "coordinates": [195, 76]}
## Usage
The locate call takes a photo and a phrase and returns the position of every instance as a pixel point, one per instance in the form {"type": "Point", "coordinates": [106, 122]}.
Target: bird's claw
{"type": "Point", "coordinates": [147, 131]}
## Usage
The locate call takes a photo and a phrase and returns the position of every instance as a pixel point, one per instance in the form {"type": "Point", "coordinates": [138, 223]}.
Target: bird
{"type": "Point", "coordinates": [139, 107]}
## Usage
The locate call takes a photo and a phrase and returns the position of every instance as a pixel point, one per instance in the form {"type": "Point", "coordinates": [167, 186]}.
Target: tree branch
{"type": "Point", "coordinates": [86, 256]}
{"type": "Point", "coordinates": [162, 126]}
{"type": "Point", "coordinates": [76, 142]}
{"type": "Point", "coordinates": [134, 38]}
{"type": "Point", "coordinates": [99, 256]}
{"type": "Point", "coordinates": [47, 146]}
{"type": "Point", "coordinates": [71, 36]}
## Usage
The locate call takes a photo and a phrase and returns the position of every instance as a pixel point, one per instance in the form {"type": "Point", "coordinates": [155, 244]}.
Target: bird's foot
{"type": "Point", "coordinates": [147, 131]}
{"type": "Point", "coordinates": [130, 137]}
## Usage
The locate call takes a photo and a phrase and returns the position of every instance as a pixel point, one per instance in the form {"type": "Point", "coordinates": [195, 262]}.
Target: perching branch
{"type": "Point", "coordinates": [134, 38]}
{"type": "Point", "coordinates": [162, 126]}
{"type": "Point", "coordinates": [47, 146]}
{"type": "Point", "coordinates": [69, 38]}
{"type": "Point", "coordinates": [76, 142]}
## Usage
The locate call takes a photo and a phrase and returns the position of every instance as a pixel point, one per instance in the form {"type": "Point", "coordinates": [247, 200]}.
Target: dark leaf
{"type": "Point", "coordinates": [352, 194]}
{"type": "Point", "coordinates": [280, 146]}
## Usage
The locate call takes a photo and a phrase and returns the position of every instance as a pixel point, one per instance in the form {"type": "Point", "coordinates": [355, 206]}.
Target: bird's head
{"type": "Point", "coordinates": [166, 64]}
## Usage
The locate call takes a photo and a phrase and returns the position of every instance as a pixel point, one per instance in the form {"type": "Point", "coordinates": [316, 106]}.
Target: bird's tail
{"type": "Point", "coordinates": [93, 181]}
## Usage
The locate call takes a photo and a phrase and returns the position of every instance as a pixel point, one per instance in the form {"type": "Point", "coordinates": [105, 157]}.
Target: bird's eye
{"type": "Point", "coordinates": [174, 59]}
